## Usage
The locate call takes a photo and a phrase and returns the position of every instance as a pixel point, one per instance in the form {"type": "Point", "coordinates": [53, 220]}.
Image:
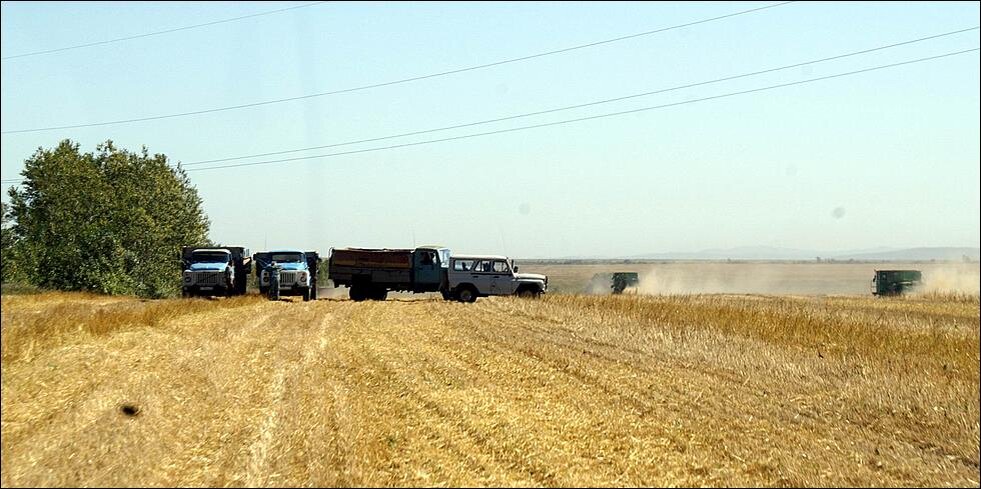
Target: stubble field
{"type": "Point", "coordinates": [576, 390]}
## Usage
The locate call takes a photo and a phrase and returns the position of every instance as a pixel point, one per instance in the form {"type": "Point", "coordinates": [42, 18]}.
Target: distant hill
{"type": "Point", "coordinates": [917, 254]}
{"type": "Point", "coordinates": [772, 253]}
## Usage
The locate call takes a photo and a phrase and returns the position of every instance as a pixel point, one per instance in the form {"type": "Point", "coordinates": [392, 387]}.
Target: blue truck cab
{"type": "Point", "coordinates": [214, 271]}
{"type": "Point", "coordinates": [296, 269]}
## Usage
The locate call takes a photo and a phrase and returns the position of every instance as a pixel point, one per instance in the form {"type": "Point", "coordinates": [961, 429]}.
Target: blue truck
{"type": "Point", "coordinates": [287, 273]}
{"type": "Point", "coordinates": [214, 270]}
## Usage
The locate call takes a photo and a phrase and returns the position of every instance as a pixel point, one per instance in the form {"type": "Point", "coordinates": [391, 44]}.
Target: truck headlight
{"type": "Point", "coordinates": [302, 276]}
{"type": "Point", "coordinates": [187, 278]}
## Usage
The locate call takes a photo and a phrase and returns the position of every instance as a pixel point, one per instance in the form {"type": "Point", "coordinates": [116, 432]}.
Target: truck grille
{"type": "Point", "coordinates": [209, 278]}
{"type": "Point", "coordinates": [287, 279]}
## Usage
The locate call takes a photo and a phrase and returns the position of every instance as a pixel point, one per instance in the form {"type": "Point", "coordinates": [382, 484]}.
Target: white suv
{"type": "Point", "coordinates": [473, 276]}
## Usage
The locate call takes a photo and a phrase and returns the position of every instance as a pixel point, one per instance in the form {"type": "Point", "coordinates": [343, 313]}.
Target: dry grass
{"type": "Point", "coordinates": [570, 390]}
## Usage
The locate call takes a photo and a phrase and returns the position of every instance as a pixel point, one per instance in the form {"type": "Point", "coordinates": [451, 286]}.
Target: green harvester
{"type": "Point", "coordinates": [622, 280]}
{"type": "Point", "coordinates": [895, 282]}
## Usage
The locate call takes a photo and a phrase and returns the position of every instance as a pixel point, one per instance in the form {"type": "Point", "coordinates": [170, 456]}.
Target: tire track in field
{"type": "Point", "coordinates": [448, 357]}
{"type": "Point", "coordinates": [388, 376]}
{"type": "Point", "coordinates": [737, 396]}
{"type": "Point", "coordinates": [288, 366]}
{"type": "Point", "coordinates": [92, 403]}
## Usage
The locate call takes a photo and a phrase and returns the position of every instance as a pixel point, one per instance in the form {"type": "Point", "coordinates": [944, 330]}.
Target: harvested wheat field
{"type": "Point", "coordinates": [569, 390]}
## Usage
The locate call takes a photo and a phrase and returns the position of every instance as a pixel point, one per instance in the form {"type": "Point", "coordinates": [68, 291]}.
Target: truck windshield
{"type": "Point", "coordinates": [287, 258]}
{"type": "Point", "coordinates": [209, 257]}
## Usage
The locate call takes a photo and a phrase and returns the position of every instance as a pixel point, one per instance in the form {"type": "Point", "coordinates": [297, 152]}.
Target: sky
{"type": "Point", "coordinates": [887, 158]}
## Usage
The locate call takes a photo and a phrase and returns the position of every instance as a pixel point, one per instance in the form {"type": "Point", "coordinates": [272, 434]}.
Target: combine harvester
{"type": "Point", "coordinates": [617, 282]}
{"type": "Point", "coordinates": [895, 282]}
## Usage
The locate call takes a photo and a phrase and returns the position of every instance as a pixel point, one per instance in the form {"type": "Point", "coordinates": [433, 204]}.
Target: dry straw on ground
{"type": "Point", "coordinates": [569, 390]}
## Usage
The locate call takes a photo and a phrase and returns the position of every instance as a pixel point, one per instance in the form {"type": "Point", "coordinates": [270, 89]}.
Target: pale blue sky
{"type": "Point", "coordinates": [896, 150]}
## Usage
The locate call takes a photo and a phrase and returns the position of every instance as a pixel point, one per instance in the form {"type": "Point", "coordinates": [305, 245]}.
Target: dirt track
{"type": "Point", "coordinates": [566, 391]}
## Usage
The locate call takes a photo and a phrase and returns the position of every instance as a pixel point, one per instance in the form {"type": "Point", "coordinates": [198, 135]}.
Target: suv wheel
{"type": "Point", "coordinates": [467, 294]}
{"type": "Point", "coordinates": [528, 293]}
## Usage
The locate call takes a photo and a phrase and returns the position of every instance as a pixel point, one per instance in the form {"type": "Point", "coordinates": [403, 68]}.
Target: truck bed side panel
{"type": "Point", "coordinates": [399, 259]}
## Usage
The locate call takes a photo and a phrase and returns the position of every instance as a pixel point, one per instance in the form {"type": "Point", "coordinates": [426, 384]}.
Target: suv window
{"type": "Point", "coordinates": [484, 266]}
{"type": "Point", "coordinates": [501, 267]}
{"type": "Point", "coordinates": [463, 265]}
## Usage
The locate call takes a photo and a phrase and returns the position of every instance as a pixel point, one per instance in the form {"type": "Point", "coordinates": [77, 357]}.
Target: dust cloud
{"type": "Point", "coordinates": [767, 278]}
{"type": "Point", "coordinates": [944, 280]}
{"type": "Point", "coordinates": [719, 279]}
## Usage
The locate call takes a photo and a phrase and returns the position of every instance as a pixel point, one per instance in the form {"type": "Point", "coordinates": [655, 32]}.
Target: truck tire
{"type": "Point", "coordinates": [379, 294]}
{"type": "Point", "coordinates": [357, 293]}
{"type": "Point", "coordinates": [306, 294]}
{"type": "Point", "coordinates": [466, 294]}
{"type": "Point", "coordinates": [185, 294]}
{"type": "Point", "coordinates": [447, 295]}
{"type": "Point", "coordinates": [274, 293]}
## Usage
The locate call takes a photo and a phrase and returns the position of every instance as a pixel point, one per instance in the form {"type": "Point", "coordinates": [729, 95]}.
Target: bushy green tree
{"type": "Point", "coordinates": [8, 270]}
{"type": "Point", "coordinates": [112, 221]}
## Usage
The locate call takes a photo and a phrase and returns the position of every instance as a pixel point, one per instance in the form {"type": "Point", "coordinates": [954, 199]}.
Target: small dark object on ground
{"type": "Point", "coordinates": [130, 409]}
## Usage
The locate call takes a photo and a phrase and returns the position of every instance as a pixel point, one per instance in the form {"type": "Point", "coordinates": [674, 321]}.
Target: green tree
{"type": "Point", "coordinates": [112, 221]}
{"type": "Point", "coordinates": [8, 262]}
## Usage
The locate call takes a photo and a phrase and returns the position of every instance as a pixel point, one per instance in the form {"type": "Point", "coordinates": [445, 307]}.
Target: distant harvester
{"type": "Point", "coordinates": [895, 282]}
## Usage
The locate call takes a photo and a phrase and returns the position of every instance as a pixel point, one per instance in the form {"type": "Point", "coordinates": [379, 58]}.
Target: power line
{"type": "Point", "coordinates": [568, 121]}
{"type": "Point", "coordinates": [598, 102]}
{"type": "Point", "coordinates": [36, 53]}
{"type": "Point", "coordinates": [393, 82]}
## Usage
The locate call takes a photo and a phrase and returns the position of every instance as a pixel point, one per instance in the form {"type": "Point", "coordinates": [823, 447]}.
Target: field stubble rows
{"type": "Point", "coordinates": [570, 390]}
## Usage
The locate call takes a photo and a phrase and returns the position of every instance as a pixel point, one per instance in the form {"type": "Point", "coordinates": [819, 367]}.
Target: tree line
{"type": "Point", "coordinates": [110, 221]}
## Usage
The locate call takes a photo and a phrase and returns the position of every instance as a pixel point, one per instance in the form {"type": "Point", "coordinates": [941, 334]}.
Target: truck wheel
{"type": "Point", "coordinates": [467, 294]}
{"type": "Point", "coordinates": [447, 295]}
{"type": "Point", "coordinates": [381, 294]}
{"type": "Point", "coordinates": [274, 293]}
{"type": "Point", "coordinates": [263, 290]}
{"type": "Point", "coordinates": [185, 294]}
{"type": "Point", "coordinates": [357, 294]}
{"type": "Point", "coordinates": [306, 294]}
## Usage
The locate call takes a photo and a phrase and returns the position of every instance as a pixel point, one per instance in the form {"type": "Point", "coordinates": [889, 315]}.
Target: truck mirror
{"type": "Point", "coordinates": [515, 268]}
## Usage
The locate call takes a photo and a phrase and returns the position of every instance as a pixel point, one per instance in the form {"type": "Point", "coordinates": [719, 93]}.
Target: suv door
{"type": "Point", "coordinates": [482, 276]}
{"type": "Point", "coordinates": [502, 282]}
